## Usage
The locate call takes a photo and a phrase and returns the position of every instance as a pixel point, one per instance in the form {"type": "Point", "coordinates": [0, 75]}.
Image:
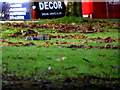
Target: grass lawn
{"type": "Point", "coordinates": [56, 62]}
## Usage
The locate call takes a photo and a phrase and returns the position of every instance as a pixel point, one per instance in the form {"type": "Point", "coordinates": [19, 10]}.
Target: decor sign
{"type": "Point", "coordinates": [50, 9]}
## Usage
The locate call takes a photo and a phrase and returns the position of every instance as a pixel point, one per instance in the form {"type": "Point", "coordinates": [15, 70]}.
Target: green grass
{"type": "Point", "coordinates": [24, 61]}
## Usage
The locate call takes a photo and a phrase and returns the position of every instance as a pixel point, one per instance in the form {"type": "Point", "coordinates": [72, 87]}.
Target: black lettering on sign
{"type": "Point", "coordinates": [50, 5]}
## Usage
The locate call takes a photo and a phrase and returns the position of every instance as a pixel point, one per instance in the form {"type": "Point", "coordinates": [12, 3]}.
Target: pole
{"type": "Point", "coordinates": [107, 9]}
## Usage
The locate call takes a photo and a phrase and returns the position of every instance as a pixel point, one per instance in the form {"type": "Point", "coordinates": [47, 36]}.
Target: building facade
{"type": "Point", "coordinates": [108, 9]}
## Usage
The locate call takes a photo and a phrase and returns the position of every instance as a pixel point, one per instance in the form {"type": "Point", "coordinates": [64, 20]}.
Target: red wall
{"type": "Point", "coordinates": [105, 10]}
{"type": "Point", "coordinates": [101, 10]}
{"type": "Point", "coordinates": [114, 10]}
{"type": "Point", "coordinates": [87, 8]}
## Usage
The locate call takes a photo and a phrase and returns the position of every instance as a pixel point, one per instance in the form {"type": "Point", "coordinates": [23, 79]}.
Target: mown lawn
{"type": "Point", "coordinates": [54, 60]}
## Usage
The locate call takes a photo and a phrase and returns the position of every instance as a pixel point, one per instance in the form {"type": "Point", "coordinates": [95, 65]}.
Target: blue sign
{"type": "Point", "coordinates": [17, 11]}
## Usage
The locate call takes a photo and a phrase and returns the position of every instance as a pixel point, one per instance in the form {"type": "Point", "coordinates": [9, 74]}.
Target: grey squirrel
{"type": "Point", "coordinates": [38, 37]}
